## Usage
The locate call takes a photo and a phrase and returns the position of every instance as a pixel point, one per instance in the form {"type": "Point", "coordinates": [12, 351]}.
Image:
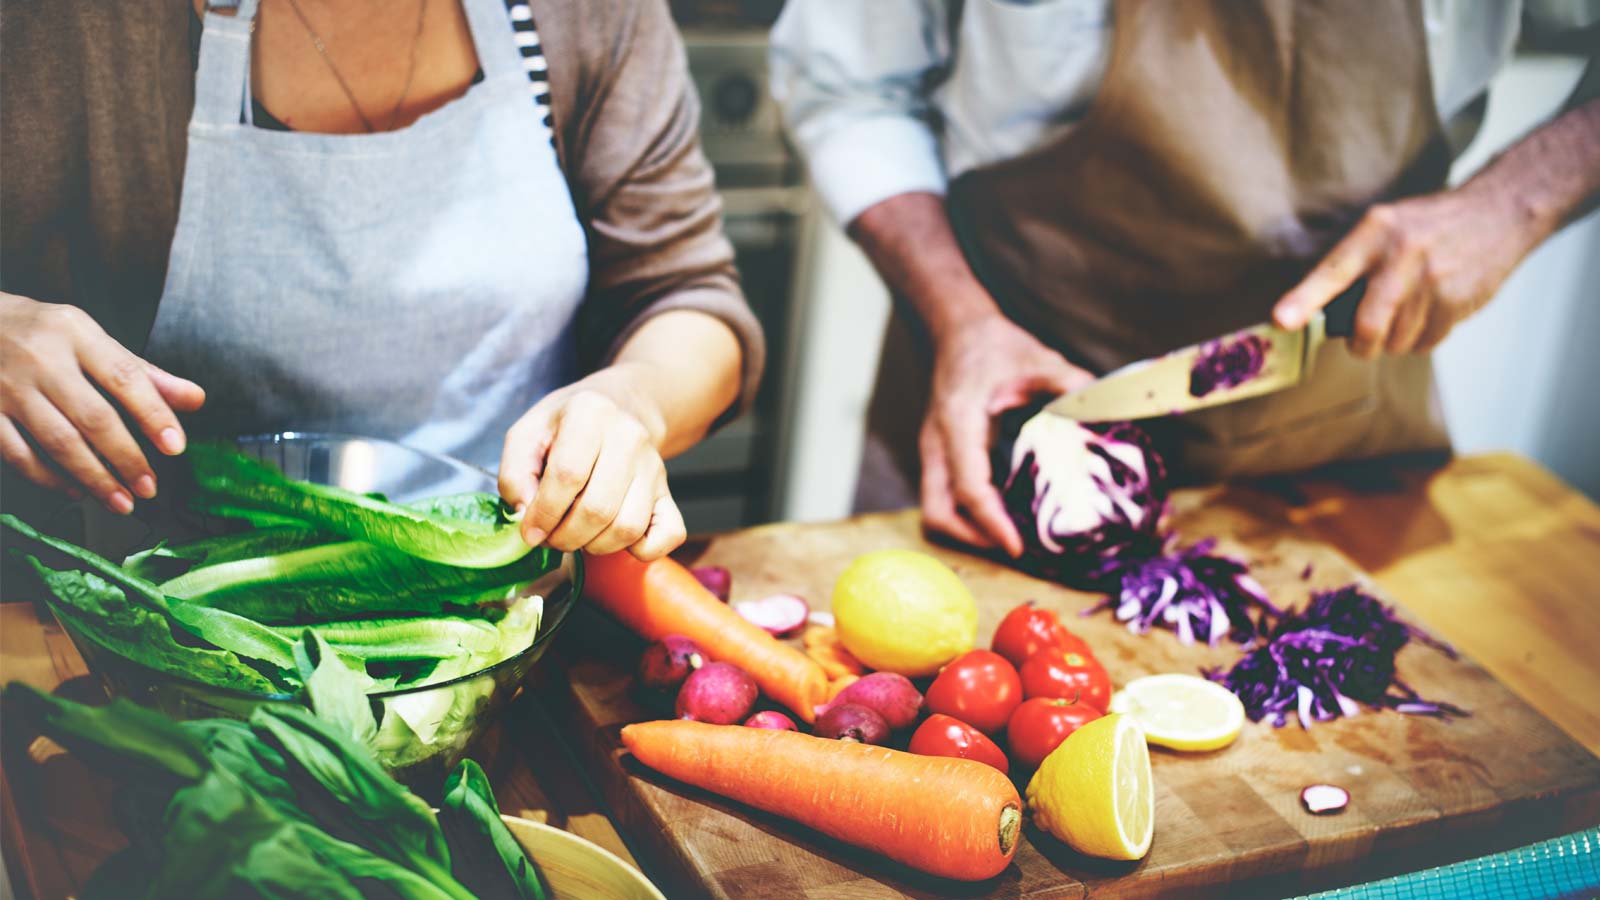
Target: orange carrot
{"type": "Point", "coordinates": [955, 818]}
{"type": "Point", "coordinates": [661, 598]}
{"type": "Point", "coordinates": [822, 644]}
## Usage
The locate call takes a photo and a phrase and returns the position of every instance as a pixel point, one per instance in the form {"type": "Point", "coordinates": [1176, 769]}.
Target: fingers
{"type": "Point", "coordinates": [523, 455]}
{"type": "Point", "coordinates": [574, 449]}
{"type": "Point", "coordinates": [967, 448]}
{"type": "Point", "coordinates": [1347, 261]}
{"type": "Point", "coordinates": [1062, 379]}
{"type": "Point", "coordinates": [16, 453]}
{"type": "Point", "coordinates": [97, 421]}
{"type": "Point", "coordinates": [666, 532]}
{"type": "Point", "coordinates": [632, 521]}
{"type": "Point", "coordinates": [127, 379]}
{"type": "Point", "coordinates": [1389, 290]}
{"type": "Point", "coordinates": [1440, 321]}
{"type": "Point", "coordinates": [62, 442]}
{"type": "Point", "coordinates": [181, 394]}
{"type": "Point", "coordinates": [939, 511]}
{"type": "Point", "coordinates": [596, 507]}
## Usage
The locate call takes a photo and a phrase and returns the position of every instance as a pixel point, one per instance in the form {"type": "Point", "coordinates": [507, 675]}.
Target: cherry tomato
{"type": "Point", "coordinates": [1067, 675]}
{"type": "Point", "coordinates": [979, 688]}
{"type": "Point", "coordinates": [942, 735]}
{"type": "Point", "coordinates": [1028, 629]}
{"type": "Point", "coordinates": [1041, 724]}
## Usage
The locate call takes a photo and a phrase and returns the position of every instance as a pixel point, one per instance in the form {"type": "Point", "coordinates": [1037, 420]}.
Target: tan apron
{"type": "Point", "coordinates": [1230, 144]}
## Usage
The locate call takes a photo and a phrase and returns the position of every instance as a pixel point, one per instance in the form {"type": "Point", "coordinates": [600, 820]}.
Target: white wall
{"type": "Point", "coordinates": [1522, 375]}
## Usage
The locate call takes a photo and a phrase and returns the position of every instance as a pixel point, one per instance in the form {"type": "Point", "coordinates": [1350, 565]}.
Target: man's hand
{"type": "Point", "coordinates": [64, 384]}
{"type": "Point", "coordinates": [1430, 262]}
{"type": "Point", "coordinates": [980, 370]}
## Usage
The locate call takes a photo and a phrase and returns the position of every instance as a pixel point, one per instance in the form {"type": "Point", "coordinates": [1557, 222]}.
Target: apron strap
{"type": "Point", "coordinates": [499, 54]}
{"type": "Point", "coordinates": [221, 80]}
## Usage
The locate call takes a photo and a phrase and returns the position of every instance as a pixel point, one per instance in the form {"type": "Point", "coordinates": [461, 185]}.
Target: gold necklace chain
{"type": "Point", "coordinates": [411, 70]}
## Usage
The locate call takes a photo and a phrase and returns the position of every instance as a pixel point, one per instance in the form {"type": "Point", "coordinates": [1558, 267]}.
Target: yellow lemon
{"type": "Point", "coordinates": [1095, 793]}
{"type": "Point", "coordinates": [1184, 712]}
{"type": "Point", "coordinates": [904, 611]}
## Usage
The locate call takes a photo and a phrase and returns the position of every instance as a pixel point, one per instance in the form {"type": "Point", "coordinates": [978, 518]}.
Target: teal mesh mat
{"type": "Point", "coordinates": [1563, 868]}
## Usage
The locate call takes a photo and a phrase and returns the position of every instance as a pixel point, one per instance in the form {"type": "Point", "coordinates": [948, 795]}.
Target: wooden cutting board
{"type": "Point", "coordinates": [1228, 823]}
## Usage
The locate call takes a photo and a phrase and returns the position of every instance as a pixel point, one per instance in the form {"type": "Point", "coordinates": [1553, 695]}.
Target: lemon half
{"type": "Point", "coordinates": [1095, 791]}
{"type": "Point", "coordinates": [1183, 712]}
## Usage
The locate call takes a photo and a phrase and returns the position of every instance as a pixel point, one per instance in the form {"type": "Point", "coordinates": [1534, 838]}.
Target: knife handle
{"type": "Point", "coordinates": [1339, 316]}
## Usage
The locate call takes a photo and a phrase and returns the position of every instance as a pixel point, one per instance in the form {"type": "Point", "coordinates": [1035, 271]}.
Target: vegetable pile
{"type": "Point", "coordinates": [287, 804]}
{"type": "Point", "coordinates": [1190, 591]}
{"type": "Point", "coordinates": [408, 596]}
{"type": "Point", "coordinates": [1317, 664]}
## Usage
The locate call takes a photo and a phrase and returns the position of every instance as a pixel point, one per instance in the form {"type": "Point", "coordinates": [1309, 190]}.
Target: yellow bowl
{"type": "Point", "coordinates": [576, 869]}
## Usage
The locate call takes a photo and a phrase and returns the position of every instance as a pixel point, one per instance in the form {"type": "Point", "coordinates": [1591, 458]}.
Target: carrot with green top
{"type": "Point", "coordinates": [662, 598]}
{"type": "Point", "coordinates": [955, 818]}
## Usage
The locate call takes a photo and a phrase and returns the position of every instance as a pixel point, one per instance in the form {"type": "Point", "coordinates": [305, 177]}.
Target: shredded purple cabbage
{"type": "Point", "coordinates": [1225, 364]}
{"type": "Point", "coordinates": [1324, 661]}
{"type": "Point", "coordinates": [1129, 484]}
{"type": "Point", "coordinates": [1190, 591]}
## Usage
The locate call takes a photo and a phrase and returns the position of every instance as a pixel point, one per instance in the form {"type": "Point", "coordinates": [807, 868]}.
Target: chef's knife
{"type": "Point", "coordinates": [1162, 386]}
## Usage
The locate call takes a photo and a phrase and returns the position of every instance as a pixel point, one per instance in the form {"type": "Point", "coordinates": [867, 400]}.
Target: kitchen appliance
{"type": "Point", "coordinates": [733, 477]}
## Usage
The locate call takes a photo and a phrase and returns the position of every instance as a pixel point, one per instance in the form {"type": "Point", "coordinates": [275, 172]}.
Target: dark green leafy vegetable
{"type": "Point", "coordinates": [231, 478]}
{"type": "Point", "coordinates": [100, 612]}
{"type": "Point", "coordinates": [166, 561]}
{"type": "Point", "coordinates": [283, 806]}
{"type": "Point", "coordinates": [471, 818]}
{"type": "Point", "coordinates": [348, 580]}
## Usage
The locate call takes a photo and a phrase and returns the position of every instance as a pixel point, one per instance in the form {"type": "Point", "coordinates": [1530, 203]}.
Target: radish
{"type": "Point", "coordinates": [771, 719]}
{"type": "Point", "coordinates": [718, 693]}
{"type": "Point", "coordinates": [716, 579]}
{"type": "Point", "coordinates": [778, 614]}
{"type": "Point", "coordinates": [891, 696]}
{"type": "Point", "coordinates": [849, 722]}
{"type": "Point", "coordinates": [821, 617]}
{"type": "Point", "coordinates": [667, 662]}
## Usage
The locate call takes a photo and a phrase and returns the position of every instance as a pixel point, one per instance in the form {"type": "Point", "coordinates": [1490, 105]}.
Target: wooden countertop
{"type": "Point", "coordinates": [1492, 553]}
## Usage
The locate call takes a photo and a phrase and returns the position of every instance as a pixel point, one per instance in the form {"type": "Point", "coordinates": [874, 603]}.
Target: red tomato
{"type": "Point", "coordinates": [1028, 629]}
{"type": "Point", "coordinates": [1041, 724]}
{"type": "Point", "coordinates": [941, 735]}
{"type": "Point", "coordinates": [977, 687]}
{"type": "Point", "coordinates": [1067, 674]}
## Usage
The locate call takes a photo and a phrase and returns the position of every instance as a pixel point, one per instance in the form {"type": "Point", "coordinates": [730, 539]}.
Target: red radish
{"type": "Point", "coordinates": [719, 693]}
{"type": "Point", "coordinates": [716, 579]}
{"type": "Point", "coordinates": [778, 614]}
{"type": "Point", "coordinates": [1322, 799]}
{"type": "Point", "coordinates": [850, 722]}
{"type": "Point", "coordinates": [889, 695]}
{"type": "Point", "coordinates": [821, 617]}
{"type": "Point", "coordinates": [771, 718]}
{"type": "Point", "coordinates": [667, 662]}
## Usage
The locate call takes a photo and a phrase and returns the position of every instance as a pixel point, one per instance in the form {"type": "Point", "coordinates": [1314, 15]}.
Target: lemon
{"type": "Point", "coordinates": [1184, 712]}
{"type": "Point", "coordinates": [1094, 791]}
{"type": "Point", "coordinates": [904, 611]}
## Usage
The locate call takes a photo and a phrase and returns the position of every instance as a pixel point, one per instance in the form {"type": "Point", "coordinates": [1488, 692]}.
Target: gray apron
{"type": "Point", "coordinates": [1230, 144]}
{"type": "Point", "coordinates": [418, 285]}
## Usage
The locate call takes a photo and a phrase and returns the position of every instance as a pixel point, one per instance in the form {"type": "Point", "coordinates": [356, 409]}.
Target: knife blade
{"type": "Point", "coordinates": [1177, 382]}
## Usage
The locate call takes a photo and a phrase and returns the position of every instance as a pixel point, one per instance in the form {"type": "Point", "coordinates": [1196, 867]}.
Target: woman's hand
{"type": "Point", "coordinates": [585, 465]}
{"type": "Point", "coordinates": [986, 367]}
{"type": "Point", "coordinates": [62, 379]}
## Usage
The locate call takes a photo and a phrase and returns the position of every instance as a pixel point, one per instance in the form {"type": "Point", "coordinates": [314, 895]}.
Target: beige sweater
{"type": "Point", "coordinates": [94, 109]}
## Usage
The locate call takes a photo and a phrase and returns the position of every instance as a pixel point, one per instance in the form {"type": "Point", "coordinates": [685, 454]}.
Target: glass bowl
{"type": "Point", "coordinates": [463, 707]}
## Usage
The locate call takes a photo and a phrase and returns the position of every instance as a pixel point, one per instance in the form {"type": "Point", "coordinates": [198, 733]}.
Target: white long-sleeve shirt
{"type": "Point", "coordinates": [880, 103]}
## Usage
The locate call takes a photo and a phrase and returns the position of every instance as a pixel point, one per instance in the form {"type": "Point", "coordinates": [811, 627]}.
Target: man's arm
{"type": "Point", "coordinates": [1433, 261]}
